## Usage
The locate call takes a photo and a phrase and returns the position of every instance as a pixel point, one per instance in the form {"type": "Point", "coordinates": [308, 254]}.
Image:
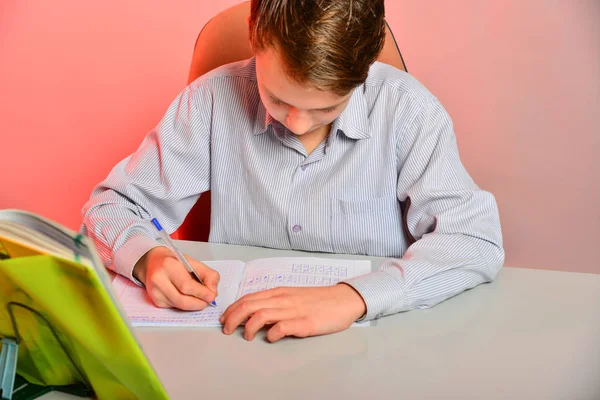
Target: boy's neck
{"type": "Point", "coordinates": [313, 139]}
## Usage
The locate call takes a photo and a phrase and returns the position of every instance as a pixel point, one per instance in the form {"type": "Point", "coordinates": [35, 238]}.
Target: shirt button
{"type": "Point", "coordinates": [304, 166]}
{"type": "Point", "coordinates": [297, 228]}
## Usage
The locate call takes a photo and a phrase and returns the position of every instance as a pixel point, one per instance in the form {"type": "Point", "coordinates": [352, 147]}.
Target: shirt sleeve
{"type": "Point", "coordinates": [162, 179]}
{"type": "Point", "coordinates": [456, 224]}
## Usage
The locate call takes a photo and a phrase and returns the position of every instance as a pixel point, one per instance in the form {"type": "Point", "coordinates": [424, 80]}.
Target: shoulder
{"type": "Point", "coordinates": [240, 72]}
{"type": "Point", "coordinates": [401, 96]}
{"type": "Point", "coordinates": [227, 89]}
{"type": "Point", "coordinates": [394, 83]}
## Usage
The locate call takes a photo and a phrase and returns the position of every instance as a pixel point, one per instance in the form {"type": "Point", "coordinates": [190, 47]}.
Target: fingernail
{"type": "Point", "coordinates": [226, 331]}
{"type": "Point", "coordinates": [208, 299]}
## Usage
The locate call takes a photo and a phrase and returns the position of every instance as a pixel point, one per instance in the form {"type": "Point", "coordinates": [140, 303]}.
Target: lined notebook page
{"type": "Point", "coordinates": [237, 280]}
{"type": "Point", "coordinates": [142, 312]}
{"type": "Point", "coordinates": [268, 273]}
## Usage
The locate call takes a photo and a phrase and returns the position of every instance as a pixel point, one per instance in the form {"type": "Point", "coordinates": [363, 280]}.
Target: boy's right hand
{"type": "Point", "coordinates": [170, 285]}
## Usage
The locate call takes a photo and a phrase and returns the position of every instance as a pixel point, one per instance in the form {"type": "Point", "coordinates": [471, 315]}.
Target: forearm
{"type": "Point", "coordinates": [434, 269]}
{"type": "Point", "coordinates": [120, 230]}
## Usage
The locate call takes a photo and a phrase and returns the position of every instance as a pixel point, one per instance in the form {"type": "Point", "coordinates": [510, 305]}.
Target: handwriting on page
{"type": "Point", "coordinates": [142, 312]}
{"type": "Point", "coordinates": [237, 279]}
{"type": "Point", "coordinates": [301, 275]}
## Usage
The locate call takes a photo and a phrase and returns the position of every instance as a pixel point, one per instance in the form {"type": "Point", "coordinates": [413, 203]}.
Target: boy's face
{"type": "Point", "coordinates": [300, 108]}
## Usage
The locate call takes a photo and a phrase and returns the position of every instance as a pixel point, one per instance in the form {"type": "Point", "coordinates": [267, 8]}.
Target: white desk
{"type": "Point", "coordinates": [529, 335]}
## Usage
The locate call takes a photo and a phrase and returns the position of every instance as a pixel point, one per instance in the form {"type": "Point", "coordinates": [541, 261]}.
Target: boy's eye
{"type": "Point", "coordinates": [281, 103]}
{"type": "Point", "coordinates": [328, 110]}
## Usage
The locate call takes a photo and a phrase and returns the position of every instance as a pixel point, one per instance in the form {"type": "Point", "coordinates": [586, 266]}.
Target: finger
{"type": "Point", "coordinates": [209, 276]}
{"type": "Point", "coordinates": [242, 312]}
{"type": "Point", "coordinates": [181, 301]}
{"type": "Point", "coordinates": [265, 316]}
{"type": "Point", "coordinates": [187, 285]}
{"type": "Point", "coordinates": [263, 294]}
{"type": "Point", "coordinates": [299, 327]}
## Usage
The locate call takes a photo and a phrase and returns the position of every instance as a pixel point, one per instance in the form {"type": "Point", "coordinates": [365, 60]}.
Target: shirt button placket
{"type": "Point", "coordinates": [297, 206]}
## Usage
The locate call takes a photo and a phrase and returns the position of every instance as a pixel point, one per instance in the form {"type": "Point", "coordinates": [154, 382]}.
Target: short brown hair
{"type": "Point", "coordinates": [328, 44]}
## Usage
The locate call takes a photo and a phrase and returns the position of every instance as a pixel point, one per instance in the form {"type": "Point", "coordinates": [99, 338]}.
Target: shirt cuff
{"type": "Point", "coordinates": [129, 254]}
{"type": "Point", "coordinates": [381, 290]}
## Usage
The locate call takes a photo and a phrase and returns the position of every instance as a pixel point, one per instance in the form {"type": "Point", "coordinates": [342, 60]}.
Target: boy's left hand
{"type": "Point", "coordinates": [294, 311]}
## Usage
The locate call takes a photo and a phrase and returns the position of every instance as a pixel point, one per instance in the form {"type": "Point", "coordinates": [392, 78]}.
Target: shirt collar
{"type": "Point", "coordinates": [262, 118]}
{"type": "Point", "coordinates": [353, 121]}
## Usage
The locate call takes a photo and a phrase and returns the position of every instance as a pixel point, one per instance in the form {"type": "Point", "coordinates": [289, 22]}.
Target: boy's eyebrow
{"type": "Point", "coordinates": [275, 98]}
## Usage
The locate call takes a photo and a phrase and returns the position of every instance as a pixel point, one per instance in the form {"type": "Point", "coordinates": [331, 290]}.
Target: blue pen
{"type": "Point", "coordinates": [180, 256]}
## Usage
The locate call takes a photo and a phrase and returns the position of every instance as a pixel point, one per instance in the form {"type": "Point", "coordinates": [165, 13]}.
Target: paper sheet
{"type": "Point", "coordinates": [237, 280]}
{"type": "Point", "coordinates": [142, 312]}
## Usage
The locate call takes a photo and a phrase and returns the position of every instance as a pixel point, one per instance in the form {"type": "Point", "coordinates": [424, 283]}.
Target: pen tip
{"type": "Point", "coordinates": [214, 303]}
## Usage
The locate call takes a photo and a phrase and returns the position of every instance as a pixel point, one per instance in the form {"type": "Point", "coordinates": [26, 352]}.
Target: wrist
{"type": "Point", "coordinates": [152, 256]}
{"type": "Point", "coordinates": [141, 267]}
{"type": "Point", "coordinates": [356, 305]}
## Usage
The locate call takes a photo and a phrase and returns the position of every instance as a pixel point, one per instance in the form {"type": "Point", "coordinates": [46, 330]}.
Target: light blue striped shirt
{"type": "Point", "coordinates": [393, 145]}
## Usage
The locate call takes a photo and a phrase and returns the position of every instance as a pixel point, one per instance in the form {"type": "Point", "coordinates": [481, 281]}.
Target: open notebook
{"type": "Point", "coordinates": [238, 279]}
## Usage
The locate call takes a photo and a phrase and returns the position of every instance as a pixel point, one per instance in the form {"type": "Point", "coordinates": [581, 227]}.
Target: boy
{"type": "Point", "coordinates": [310, 145]}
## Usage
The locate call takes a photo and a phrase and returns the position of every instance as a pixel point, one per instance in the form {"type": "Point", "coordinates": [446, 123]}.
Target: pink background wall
{"type": "Point", "coordinates": [81, 84]}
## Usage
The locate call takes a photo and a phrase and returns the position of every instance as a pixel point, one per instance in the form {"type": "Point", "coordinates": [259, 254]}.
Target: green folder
{"type": "Point", "coordinates": [57, 303]}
